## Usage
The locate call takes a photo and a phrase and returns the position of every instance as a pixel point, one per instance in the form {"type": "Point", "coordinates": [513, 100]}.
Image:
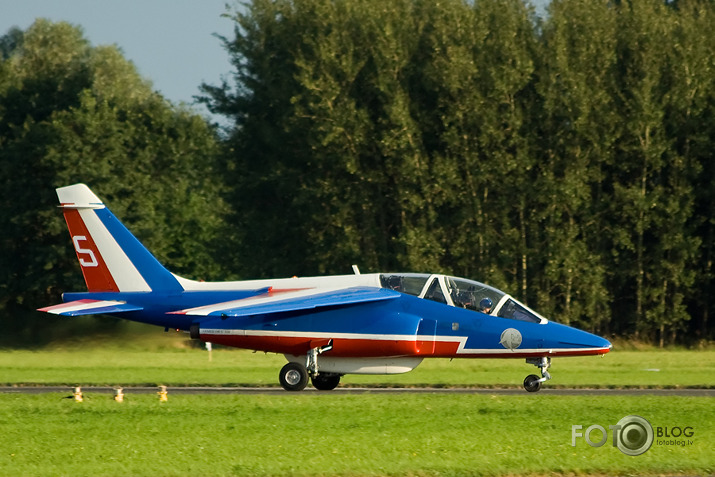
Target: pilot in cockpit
{"type": "Point", "coordinates": [394, 282]}
{"type": "Point", "coordinates": [485, 306]}
{"type": "Point", "coordinates": [465, 299]}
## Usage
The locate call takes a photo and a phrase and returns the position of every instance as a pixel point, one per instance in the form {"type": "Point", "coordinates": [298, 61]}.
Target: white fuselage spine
{"type": "Point", "coordinates": [315, 283]}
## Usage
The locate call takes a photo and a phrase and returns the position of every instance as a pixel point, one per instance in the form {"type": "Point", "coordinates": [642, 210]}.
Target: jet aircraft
{"type": "Point", "coordinates": [327, 327]}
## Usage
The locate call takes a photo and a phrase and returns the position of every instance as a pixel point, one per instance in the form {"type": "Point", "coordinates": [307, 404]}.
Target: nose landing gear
{"type": "Point", "coordinates": [532, 383]}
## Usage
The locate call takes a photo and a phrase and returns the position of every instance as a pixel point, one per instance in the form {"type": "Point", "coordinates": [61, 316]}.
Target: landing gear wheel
{"type": "Point", "coordinates": [532, 383]}
{"type": "Point", "coordinates": [326, 382]}
{"type": "Point", "coordinates": [293, 377]}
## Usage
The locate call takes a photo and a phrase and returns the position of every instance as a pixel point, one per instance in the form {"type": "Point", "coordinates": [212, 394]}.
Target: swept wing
{"type": "Point", "coordinates": [292, 301]}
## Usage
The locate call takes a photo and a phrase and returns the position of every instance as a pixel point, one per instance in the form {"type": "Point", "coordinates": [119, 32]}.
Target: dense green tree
{"type": "Point", "coordinates": [578, 133]}
{"type": "Point", "coordinates": [475, 65]}
{"type": "Point", "coordinates": [362, 144]}
{"type": "Point", "coordinates": [267, 239]}
{"type": "Point", "coordinates": [356, 156]}
{"type": "Point", "coordinates": [564, 159]}
{"type": "Point", "coordinates": [325, 145]}
{"type": "Point", "coordinates": [70, 112]}
{"type": "Point", "coordinates": [690, 121]}
{"type": "Point", "coordinates": [652, 182]}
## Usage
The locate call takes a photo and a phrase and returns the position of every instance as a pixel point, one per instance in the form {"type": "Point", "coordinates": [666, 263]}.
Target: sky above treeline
{"type": "Point", "coordinates": [171, 42]}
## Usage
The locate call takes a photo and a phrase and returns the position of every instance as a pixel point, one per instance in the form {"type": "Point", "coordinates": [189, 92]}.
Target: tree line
{"type": "Point", "coordinates": [565, 159]}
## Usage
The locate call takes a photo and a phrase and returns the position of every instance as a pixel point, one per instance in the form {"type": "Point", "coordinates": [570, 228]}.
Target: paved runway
{"type": "Point", "coordinates": [357, 390]}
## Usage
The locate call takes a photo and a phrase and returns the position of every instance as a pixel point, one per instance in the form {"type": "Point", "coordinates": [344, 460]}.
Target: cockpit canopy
{"type": "Point", "coordinates": [461, 292]}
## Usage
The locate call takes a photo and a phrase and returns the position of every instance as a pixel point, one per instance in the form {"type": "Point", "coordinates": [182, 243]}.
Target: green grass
{"type": "Point", "coordinates": [114, 365]}
{"type": "Point", "coordinates": [335, 434]}
{"type": "Point", "coordinates": [330, 434]}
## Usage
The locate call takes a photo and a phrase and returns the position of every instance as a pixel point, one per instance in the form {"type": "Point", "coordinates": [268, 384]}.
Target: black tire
{"type": "Point", "coordinates": [326, 382]}
{"type": "Point", "coordinates": [293, 377]}
{"type": "Point", "coordinates": [531, 383]}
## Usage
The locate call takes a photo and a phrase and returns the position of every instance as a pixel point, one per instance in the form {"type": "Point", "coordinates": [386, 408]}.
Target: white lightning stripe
{"type": "Point", "coordinates": [305, 334]}
{"type": "Point", "coordinates": [208, 309]}
{"type": "Point", "coordinates": [462, 340]}
{"type": "Point", "coordinates": [124, 273]}
{"type": "Point", "coordinates": [257, 300]}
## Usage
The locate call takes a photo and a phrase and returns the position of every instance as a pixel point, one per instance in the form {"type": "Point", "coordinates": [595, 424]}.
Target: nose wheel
{"type": "Point", "coordinates": [532, 383]}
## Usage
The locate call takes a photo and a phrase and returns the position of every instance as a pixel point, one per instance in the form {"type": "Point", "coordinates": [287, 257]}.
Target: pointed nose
{"type": "Point", "coordinates": [580, 342]}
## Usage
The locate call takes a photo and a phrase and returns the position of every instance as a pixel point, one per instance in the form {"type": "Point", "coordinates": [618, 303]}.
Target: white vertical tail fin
{"type": "Point", "coordinates": [111, 258]}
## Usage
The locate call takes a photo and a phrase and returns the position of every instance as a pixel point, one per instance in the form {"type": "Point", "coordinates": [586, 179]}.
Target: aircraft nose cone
{"type": "Point", "coordinates": [574, 338]}
{"type": "Point", "coordinates": [603, 343]}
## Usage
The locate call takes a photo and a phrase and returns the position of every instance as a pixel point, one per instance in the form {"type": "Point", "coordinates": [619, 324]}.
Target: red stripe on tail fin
{"type": "Point", "coordinates": [95, 270]}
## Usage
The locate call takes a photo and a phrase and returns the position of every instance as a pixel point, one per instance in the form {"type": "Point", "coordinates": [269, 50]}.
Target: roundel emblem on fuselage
{"type": "Point", "coordinates": [510, 338]}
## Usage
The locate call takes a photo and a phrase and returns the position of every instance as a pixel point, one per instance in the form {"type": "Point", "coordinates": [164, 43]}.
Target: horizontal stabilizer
{"type": "Point", "coordinates": [90, 307]}
{"type": "Point", "coordinates": [268, 304]}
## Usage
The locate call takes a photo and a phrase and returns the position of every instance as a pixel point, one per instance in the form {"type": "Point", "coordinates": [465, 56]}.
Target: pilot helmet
{"type": "Point", "coordinates": [485, 303]}
{"type": "Point", "coordinates": [464, 299]}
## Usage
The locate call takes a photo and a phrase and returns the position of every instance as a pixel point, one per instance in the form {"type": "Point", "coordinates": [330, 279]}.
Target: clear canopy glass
{"type": "Point", "coordinates": [461, 292]}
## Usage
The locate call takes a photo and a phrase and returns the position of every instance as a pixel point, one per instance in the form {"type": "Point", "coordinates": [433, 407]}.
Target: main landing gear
{"type": "Point", "coordinates": [532, 383]}
{"type": "Point", "coordinates": [294, 376]}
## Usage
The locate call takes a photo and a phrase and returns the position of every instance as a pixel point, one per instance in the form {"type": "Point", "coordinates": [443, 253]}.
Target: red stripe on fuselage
{"type": "Point", "coordinates": [95, 270]}
{"type": "Point", "coordinates": [275, 291]}
{"type": "Point", "coordinates": [300, 345]}
{"type": "Point", "coordinates": [366, 348]}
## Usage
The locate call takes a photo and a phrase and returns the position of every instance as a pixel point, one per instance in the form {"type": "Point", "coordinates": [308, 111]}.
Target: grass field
{"type": "Point", "coordinates": [336, 434]}
{"type": "Point", "coordinates": [176, 366]}
{"type": "Point", "coordinates": [323, 434]}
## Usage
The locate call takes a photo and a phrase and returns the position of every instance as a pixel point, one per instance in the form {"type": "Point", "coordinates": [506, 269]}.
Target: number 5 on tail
{"type": "Point", "coordinates": [80, 251]}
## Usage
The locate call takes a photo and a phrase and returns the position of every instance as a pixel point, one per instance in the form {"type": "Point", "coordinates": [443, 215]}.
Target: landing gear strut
{"type": "Point", "coordinates": [294, 376]}
{"type": "Point", "coordinates": [532, 383]}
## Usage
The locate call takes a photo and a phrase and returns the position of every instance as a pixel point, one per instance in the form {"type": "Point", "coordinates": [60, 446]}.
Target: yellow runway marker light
{"type": "Point", "coordinates": [119, 394]}
{"type": "Point", "coordinates": [163, 394]}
